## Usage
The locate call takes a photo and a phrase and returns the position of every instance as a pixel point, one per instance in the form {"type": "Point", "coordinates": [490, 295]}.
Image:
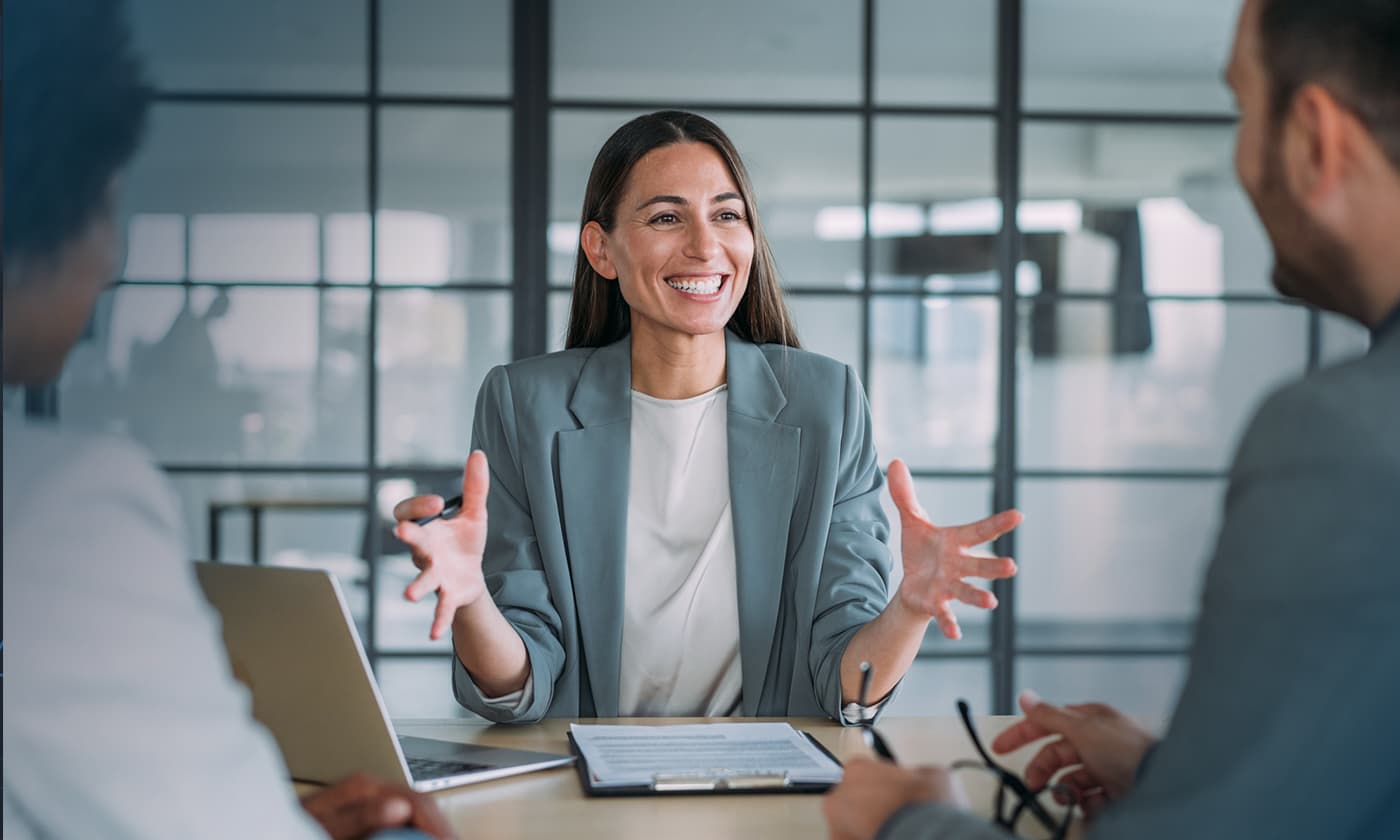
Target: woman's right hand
{"type": "Point", "coordinates": [448, 552]}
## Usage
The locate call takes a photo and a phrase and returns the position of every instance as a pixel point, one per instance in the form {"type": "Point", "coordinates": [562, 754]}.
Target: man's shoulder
{"type": "Point", "coordinates": [85, 494]}
{"type": "Point", "coordinates": [1371, 381]}
{"type": "Point", "coordinates": [41, 457]}
{"type": "Point", "coordinates": [1312, 493]}
{"type": "Point", "coordinates": [1341, 414]}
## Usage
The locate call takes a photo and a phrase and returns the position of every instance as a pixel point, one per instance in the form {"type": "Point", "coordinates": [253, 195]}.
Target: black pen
{"type": "Point", "coordinates": [449, 510]}
{"type": "Point", "coordinates": [873, 739]}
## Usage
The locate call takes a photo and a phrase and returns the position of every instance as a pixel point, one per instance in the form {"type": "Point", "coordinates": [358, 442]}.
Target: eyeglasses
{"type": "Point", "coordinates": [873, 739]}
{"type": "Point", "coordinates": [1008, 810]}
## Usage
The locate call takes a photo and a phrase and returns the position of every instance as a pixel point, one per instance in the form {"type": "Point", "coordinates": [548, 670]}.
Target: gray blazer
{"type": "Point", "coordinates": [1287, 725]}
{"type": "Point", "coordinates": [810, 537]}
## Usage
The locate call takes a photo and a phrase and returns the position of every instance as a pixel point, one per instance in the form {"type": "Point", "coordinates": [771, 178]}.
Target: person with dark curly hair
{"type": "Point", "coordinates": [122, 718]}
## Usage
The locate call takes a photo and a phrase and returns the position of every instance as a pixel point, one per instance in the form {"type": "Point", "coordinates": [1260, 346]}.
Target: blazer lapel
{"type": "Point", "coordinates": [594, 463]}
{"type": "Point", "coordinates": [763, 457]}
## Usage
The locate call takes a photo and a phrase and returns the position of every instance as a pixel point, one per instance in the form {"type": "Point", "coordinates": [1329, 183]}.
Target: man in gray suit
{"type": "Point", "coordinates": [1285, 727]}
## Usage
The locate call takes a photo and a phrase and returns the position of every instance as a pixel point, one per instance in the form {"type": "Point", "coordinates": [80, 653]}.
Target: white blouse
{"type": "Point", "coordinates": [680, 626]}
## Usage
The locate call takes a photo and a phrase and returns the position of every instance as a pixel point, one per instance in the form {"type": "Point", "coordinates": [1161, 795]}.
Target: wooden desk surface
{"type": "Point", "coordinates": [551, 804]}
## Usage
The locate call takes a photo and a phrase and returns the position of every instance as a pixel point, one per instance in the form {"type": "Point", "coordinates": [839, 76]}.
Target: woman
{"type": "Point", "coordinates": [684, 507]}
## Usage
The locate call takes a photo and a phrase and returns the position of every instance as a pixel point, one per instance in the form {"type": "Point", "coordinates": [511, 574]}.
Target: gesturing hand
{"type": "Point", "coordinates": [936, 559]}
{"type": "Point", "coordinates": [448, 551]}
{"type": "Point", "coordinates": [1103, 744]}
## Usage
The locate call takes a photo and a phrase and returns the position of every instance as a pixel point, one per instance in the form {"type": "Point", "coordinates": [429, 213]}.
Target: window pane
{"type": "Point", "coordinates": [936, 215]}
{"type": "Point", "coordinates": [722, 51]}
{"type": "Point", "coordinates": [295, 531]}
{"type": "Point", "coordinates": [155, 247]}
{"type": "Point", "coordinates": [434, 350]}
{"type": "Point", "coordinates": [1342, 338]}
{"type": "Point", "coordinates": [1136, 55]}
{"type": "Point", "coordinates": [948, 501]}
{"type": "Point", "coordinates": [563, 243]}
{"type": "Point", "coordinates": [935, 52]}
{"type": "Point", "coordinates": [419, 688]}
{"type": "Point", "coordinates": [259, 184]}
{"type": "Point", "coordinates": [1135, 208]}
{"type": "Point", "coordinates": [808, 192]}
{"type": "Point", "coordinates": [829, 324]}
{"type": "Point", "coordinates": [1167, 385]}
{"type": "Point", "coordinates": [254, 247]}
{"type": "Point", "coordinates": [933, 380]}
{"type": "Point", "coordinates": [445, 195]}
{"type": "Point", "coordinates": [252, 375]}
{"type": "Point", "coordinates": [403, 624]}
{"type": "Point", "coordinates": [1144, 688]}
{"type": "Point", "coordinates": [446, 47]}
{"type": "Point", "coordinates": [315, 46]}
{"type": "Point", "coordinates": [803, 168]}
{"type": "Point", "coordinates": [308, 521]}
{"type": "Point", "coordinates": [1112, 562]}
{"type": "Point", "coordinates": [933, 687]}
{"type": "Point", "coordinates": [558, 319]}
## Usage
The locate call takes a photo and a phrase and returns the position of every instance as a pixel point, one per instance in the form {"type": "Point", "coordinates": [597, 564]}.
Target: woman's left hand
{"type": "Point", "coordinates": [936, 559]}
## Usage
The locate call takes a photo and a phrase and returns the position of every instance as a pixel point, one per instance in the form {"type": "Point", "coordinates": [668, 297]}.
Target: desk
{"type": "Point", "coordinates": [551, 804]}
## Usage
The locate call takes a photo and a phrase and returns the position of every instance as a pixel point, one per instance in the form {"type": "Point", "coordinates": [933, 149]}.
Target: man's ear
{"type": "Point", "coordinates": [1316, 145]}
{"type": "Point", "coordinates": [595, 246]}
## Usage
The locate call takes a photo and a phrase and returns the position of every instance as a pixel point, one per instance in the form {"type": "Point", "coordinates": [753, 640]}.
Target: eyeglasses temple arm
{"type": "Point", "coordinates": [966, 712]}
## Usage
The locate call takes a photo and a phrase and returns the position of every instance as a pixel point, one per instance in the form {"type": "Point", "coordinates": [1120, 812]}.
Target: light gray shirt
{"type": "Point", "coordinates": [121, 716]}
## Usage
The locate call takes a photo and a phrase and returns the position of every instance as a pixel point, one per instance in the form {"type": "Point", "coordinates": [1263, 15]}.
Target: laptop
{"type": "Point", "coordinates": [291, 640]}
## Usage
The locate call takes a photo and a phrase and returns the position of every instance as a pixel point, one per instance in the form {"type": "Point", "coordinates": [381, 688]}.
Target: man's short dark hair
{"type": "Point", "coordinates": [75, 104]}
{"type": "Point", "coordinates": [1351, 47]}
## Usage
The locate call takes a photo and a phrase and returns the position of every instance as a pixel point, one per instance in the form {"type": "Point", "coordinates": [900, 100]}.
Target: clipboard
{"type": "Point", "coordinates": [682, 784]}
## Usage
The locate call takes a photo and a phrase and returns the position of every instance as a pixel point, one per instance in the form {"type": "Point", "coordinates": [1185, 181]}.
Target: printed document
{"type": "Point", "coordinates": [622, 756]}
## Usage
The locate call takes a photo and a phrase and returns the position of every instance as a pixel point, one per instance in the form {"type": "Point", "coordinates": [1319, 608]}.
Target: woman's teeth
{"type": "Point", "coordinates": [697, 285]}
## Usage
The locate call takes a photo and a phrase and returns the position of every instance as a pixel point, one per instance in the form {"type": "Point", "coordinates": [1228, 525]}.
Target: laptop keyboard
{"type": "Point", "coordinates": [429, 768]}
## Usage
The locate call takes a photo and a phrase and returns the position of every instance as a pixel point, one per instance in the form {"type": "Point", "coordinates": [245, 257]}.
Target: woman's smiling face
{"type": "Point", "coordinates": [681, 246]}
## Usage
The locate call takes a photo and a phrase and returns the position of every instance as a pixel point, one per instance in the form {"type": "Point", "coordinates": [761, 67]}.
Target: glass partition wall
{"type": "Point", "coordinates": [1017, 220]}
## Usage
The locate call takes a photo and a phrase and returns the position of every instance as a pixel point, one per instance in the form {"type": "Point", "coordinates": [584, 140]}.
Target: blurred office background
{"type": "Point", "coordinates": [1017, 219]}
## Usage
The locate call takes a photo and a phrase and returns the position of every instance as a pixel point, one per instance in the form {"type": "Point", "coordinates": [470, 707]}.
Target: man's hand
{"type": "Point", "coordinates": [360, 805]}
{"type": "Point", "coordinates": [1104, 746]}
{"type": "Point", "coordinates": [936, 559]}
{"type": "Point", "coordinates": [871, 791]}
{"type": "Point", "coordinates": [448, 552]}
